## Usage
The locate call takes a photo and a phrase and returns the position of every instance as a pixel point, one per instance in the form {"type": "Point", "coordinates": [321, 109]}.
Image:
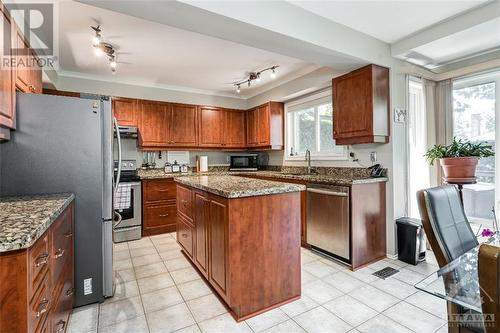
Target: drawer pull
{"type": "Point", "coordinates": [163, 215]}
{"type": "Point", "coordinates": [68, 235]}
{"type": "Point", "coordinates": [163, 190]}
{"type": "Point", "coordinates": [59, 253]}
{"type": "Point", "coordinates": [70, 291]}
{"type": "Point", "coordinates": [42, 307]}
{"type": "Point", "coordinates": [61, 324]}
{"type": "Point", "coordinates": [41, 260]}
{"type": "Point", "coordinates": [184, 235]}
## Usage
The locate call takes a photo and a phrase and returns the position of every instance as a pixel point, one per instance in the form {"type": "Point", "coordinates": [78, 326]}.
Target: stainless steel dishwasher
{"type": "Point", "coordinates": [328, 222]}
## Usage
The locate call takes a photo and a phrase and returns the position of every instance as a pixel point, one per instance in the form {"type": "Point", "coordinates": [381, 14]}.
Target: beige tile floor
{"type": "Point", "coordinates": [157, 290]}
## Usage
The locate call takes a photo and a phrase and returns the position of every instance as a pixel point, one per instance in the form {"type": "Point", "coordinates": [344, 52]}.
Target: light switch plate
{"type": "Point", "coordinates": [399, 115]}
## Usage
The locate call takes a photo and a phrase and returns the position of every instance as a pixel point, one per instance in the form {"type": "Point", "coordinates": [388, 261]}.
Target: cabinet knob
{"type": "Point", "coordinates": [42, 307]}
{"type": "Point", "coordinates": [41, 260]}
{"type": "Point", "coordinates": [59, 253]}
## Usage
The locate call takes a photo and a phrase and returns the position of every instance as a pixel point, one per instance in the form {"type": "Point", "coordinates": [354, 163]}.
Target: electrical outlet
{"type": "Point", "coordinates": [399, 115]}
{"type": "Point", "coordinates": [87, 286]}
{"type": "Point", "coordinates": [373, 156]}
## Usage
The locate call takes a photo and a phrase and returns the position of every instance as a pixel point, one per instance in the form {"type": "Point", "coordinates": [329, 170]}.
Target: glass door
{"type": "Point", "coordinates": [475, 110]}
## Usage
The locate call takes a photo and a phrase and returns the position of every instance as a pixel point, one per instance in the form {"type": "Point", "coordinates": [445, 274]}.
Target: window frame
{"type": "Point", "coordinates": [290, 130]}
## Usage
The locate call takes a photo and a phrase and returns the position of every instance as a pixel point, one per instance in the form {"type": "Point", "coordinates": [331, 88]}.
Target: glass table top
{"type": "Point", "coordinates": [458, 282]}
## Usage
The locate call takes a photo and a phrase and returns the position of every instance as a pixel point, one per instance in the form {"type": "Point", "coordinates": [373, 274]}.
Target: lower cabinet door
{"type": "Point", "coordinates": [218, 237]}
{"type": "Point", "coordinates": [185, 236]}
{"type": "Point", "coordinates": [158, 219]}
{"type": "Point", "coordinates": [202, 213]}
{"type": "Point", "coordinates": [65, 298]}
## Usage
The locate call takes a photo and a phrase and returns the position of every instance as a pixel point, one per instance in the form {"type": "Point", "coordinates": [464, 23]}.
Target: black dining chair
{"type": "Point", "coordinates": [446, 226]}
{"type": "Point", "coordinates": [449, 233]}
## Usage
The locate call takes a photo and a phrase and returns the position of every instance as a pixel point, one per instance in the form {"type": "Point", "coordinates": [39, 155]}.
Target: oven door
{"type": "Point", "coordinates": [132, 216]}
{"type": "Point", "coordinates": [244, 162]}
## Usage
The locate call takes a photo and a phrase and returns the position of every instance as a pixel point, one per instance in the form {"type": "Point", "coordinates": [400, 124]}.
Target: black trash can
{"type": "Point", "coordinates": [411, 240]}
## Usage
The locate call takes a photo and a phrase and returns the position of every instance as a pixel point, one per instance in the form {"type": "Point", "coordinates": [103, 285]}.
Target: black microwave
{"type": "Point", "coordinates": [249, 162]}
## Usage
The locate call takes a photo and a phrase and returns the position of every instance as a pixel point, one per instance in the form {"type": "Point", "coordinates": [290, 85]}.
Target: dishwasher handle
{"type": "Point", "coordinates": [327, 192]}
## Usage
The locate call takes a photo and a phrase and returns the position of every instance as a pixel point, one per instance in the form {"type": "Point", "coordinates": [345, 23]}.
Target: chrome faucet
{"type": "Point", "coordinates": [308, 159]}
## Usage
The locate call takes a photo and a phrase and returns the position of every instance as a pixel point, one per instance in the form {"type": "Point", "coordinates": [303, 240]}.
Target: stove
{"type": "Point", "coordinates": [128, 205]}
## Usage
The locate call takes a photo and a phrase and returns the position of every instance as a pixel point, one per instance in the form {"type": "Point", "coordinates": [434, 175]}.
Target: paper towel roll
{"type": "Point", "coordinates": [203, 163]}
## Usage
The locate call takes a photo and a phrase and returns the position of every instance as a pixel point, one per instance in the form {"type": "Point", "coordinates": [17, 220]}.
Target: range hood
{"type": "Point", "coordinates": [128, 132]}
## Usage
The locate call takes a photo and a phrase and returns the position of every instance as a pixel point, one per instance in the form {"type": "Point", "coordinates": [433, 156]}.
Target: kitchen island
{"type": "Point", "coordinates": [243, 235]}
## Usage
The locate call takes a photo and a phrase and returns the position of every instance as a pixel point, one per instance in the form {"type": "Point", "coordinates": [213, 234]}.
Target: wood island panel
{"type": "Point", "coordinates": [247, 248]}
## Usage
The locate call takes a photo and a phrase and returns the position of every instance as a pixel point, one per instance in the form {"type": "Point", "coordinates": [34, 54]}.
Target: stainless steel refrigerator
{"type": "Point", "coordinates": [64, 144]}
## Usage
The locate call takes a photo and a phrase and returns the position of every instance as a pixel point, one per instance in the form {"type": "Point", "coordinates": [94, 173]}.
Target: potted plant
{"type": "Point", "coordinates": [459, 159]}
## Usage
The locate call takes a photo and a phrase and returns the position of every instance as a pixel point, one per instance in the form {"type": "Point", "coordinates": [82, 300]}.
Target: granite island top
{"type": "Point", "coordinates": [24, 219]}
{"type": "Point", "coordinates": [229, 186]}
{"type": "Point", "coordinates": [312, 178]}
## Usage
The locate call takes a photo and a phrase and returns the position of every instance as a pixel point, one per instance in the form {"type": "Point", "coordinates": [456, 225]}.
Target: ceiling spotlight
{"type": "Point", "coordinates": [255, 76]}
{"type": "Point", "coordinates": [273, 73]}
{"type": "Point", "coordinates": [98, 51]}
{"type": "Point", "coordinates": [112, 62]}
{"type": "Point", "coordinates": [113, 70]}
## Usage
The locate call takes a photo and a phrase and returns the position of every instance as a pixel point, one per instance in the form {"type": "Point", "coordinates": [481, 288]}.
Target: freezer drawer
{"type": "Point", "coordinates": [328, 224]}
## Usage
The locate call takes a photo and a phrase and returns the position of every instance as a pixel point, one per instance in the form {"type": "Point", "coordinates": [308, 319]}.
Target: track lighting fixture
{"type": "Point", "coordinates": [255, 76]}
{"type": "Point", "coordinates": [103, 48]}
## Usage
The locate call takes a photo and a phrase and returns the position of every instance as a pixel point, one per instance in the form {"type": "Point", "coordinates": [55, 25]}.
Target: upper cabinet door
{"type": "Point", "coordinates": [361, 106]}
{"type": "Point", "coordinates": [7, 88]}
{"type": "Point", "coordinates": [183, 125]}
{"type": "Point", "coordinates": [264, 128]}
{"type": "Point", "coordinates": [252, 125]}
{"type": "Point", "coordinates": [234, 134]}
{"type": "Point", "coordinates": [154, 131]}
{"type": "Point", "coordinates": [125, 111]}
{"type": "Point", "coordinates": [211, 126]}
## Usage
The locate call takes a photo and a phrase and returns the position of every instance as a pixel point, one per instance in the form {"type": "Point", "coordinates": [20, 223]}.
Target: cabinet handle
{"type": "Point", "coordinates": [163, 190]}
{"type": "Point", "coordinates": [59, 253]}
{"type": "Point", "coordinates": [163, 215]}
{"type": "Point", "coordinates": [70, 291]}
{"type": "Point", "coordinates": [61, 323]}
{"type": "Point", "coordinates": [184, 235]}
{"type": "Point", "coordinates": [68, 234]}
{"type": "Point", "coordinates": [41, 260]}
{"type": "Point", "coordinates": [42, 307]}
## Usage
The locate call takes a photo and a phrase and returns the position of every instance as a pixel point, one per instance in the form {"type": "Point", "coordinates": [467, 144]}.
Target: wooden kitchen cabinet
{"type": "Point", "coordinates": [223, 128]}
{"type": "Point", "coordinates": [248, 249]}
{"type": "Point", "coordinates": [37, 289]}
{"type": "Point", "coordinates": [361, 106]}
{"type": "Point", "coordinates": [183, 122]}
{"type": "Point", "coordinates": [7, 85]}
{"type": "Point", "coordinates": [265, 126]}
{"type": "Point", "coordinates": [126, 111]}
{"type": "Point", "coordinates": [154, 128]}
{"type": "Point", "coordinates": [159, 208]}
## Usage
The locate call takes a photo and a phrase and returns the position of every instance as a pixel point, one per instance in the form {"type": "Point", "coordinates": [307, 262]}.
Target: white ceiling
{"type": "Point", "coordinates": [153, 54]}
{"type": "Point", "coordinates": [480, 38]}
{"type": "Point", "coordinates": [388, 21]}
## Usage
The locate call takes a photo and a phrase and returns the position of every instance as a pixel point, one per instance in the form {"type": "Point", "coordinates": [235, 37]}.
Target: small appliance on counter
{"type": "Point", "coordinates": [127, 203]}
{"type": "Point", "coordinates": [244, 162]}
{"type": "Point", "coordinates": [149, 160]}
{"type": "Point", "coordinates": [201, 163]}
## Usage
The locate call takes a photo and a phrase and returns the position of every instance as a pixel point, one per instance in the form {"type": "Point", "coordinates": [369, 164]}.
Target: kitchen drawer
{"type": "Point", "coordinates": [185, 235]}
{"type": "Point", "coordinates": [60, 314]}
{"type": "Point", "coordinates": [159, 218]}
{"type": "Point", "coordinates": [62, 245]}
{"type": "Point", "coordinates": [38, 261]}
{"type": "Point", "coordinates": [185, 201]}
{"type": "Point", "coordinates": [40, 306]}
{"type": "Point", "coordinates": [158, 190]}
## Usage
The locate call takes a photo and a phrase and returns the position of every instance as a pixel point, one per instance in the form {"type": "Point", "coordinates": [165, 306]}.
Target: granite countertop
{"type": "Point", "coordinates": [238, 187]}
{"type": "Point", "coordinates": [330, 179]}
{"type": "Point", "coordinates": [317, 178]}
{"type": "Point", "coordinates": [24, 219]}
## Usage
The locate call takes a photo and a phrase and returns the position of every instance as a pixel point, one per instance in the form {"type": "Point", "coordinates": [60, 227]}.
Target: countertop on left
{"type": "Point", "coordinates": [24, 219]}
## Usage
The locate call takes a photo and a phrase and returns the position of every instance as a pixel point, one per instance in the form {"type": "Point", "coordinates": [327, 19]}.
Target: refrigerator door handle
{"type": "Point", "coordinates": [119, 168]}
